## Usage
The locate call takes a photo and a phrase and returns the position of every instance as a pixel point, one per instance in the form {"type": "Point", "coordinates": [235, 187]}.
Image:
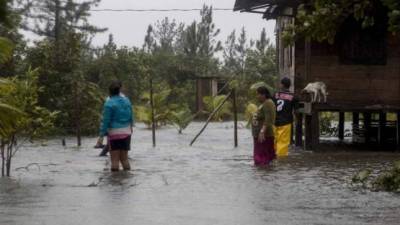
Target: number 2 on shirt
{"type": "Point", "coordinates": [279, 105]}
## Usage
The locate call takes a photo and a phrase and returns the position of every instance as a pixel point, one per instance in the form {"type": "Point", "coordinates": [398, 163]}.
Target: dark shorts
{"type": "Point", "coordinates": [121, 144]}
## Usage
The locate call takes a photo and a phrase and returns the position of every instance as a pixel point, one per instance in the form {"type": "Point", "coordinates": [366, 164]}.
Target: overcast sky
{"type": "Point", "coordinates": [129, 28]}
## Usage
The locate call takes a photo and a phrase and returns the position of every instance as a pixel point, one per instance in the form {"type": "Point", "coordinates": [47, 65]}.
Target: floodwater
{"type": "Point", "coordinates": [211, 183]}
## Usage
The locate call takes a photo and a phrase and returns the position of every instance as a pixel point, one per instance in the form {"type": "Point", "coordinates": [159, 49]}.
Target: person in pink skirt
{"type": "Point", "coordinates": [263, 129]}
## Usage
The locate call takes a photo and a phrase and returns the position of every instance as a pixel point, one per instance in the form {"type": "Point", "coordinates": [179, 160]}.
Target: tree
{"type": "Point", "coordinates": [321, 19]}
{"type": "Point", "coordinates": [166, 33]}
{"type": "Point", "coordinates": [230, 54]}
{"type": "Point", "coordinates": [241, 49]}
{"type": "Point", "coordinates": [31, 121]}
{"type": "Point", "coordinates": [53, 18]}
{"type": "Point", "coordinates": [261, 62]}
{"type": "Point", "coordinates": [198, 43]}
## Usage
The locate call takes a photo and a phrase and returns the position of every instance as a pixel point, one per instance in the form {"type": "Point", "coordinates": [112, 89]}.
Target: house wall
{"type": "Point", "coordinates": [352, 86]}
{"type": "Point", "coordinates": [285, 54]}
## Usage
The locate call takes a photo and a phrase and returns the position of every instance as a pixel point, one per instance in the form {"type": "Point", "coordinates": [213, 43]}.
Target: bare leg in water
{"type": "Point", "coordinates": [125, 160]}
{"type": "Point", "coordinates": [115, 158]}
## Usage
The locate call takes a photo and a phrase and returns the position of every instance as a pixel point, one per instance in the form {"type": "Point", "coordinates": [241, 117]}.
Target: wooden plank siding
{"type": "Point", "coordinates": [355, 85]}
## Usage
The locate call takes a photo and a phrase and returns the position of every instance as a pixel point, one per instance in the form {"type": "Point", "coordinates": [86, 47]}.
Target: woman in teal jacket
{"type": "Point", "coordinates": [117, 126]}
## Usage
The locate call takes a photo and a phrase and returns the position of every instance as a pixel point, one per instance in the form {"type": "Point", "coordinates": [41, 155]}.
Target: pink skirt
{"type": "Point", "coordinates": [264, 153]}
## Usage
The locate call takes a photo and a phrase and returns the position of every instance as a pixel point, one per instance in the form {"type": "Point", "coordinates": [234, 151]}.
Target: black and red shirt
{"type": "Point", "coordinates": [286, 103]}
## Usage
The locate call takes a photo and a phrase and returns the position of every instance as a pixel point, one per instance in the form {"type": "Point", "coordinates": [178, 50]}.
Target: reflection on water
{"type": "Point", "coordinates": [210, 183]}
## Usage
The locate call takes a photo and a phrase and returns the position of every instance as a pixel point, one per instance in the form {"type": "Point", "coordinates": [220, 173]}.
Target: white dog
{"type": "Point", "coordinates": [317, 91]}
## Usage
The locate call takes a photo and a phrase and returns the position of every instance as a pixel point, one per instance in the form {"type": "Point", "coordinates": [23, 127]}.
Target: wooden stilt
{"type": "Point", "coordinates": [199, 96]}
{"type": "Point", "coordinates": [341, 125]}
{"type": "Point", "coordinates": [398, 131]}
{"type": "Point", "coordinates": [356, 119]}
{"type": "Point", "coordinates": [308, 133]}
{"type": "Point", "coordinates": [299, 130]}
{"type": "Point", "coordinates": [381, 130]}
{"type": "Point", "coordinates": [312, 131]}
{"type": "Point", "coordinates": [367, 127]}
{"type": "Point", "coordinates": [315, 129]}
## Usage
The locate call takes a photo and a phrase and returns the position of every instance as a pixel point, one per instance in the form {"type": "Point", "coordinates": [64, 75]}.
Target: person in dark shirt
{"type": "Point", "coordinates": [286, 103]}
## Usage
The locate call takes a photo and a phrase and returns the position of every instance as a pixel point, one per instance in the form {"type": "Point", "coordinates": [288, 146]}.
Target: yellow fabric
{"type": "Point", "coordinates": [282, 139]}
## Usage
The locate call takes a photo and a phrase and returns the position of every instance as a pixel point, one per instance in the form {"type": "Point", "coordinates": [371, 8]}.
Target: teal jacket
{"type": "Point", "coordinates": [117, 113]}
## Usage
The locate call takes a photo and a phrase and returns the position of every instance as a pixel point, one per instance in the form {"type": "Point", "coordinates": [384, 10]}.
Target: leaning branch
{"type": "Point", "coordinates": [210, 117]}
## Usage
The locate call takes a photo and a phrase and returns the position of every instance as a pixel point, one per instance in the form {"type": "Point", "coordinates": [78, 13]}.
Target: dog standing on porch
{"type": "Point", "coordinates": [318, 91]}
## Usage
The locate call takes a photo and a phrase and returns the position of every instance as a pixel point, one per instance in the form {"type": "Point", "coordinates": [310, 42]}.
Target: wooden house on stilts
{"type": "Point", "coordinates": [361, 70]}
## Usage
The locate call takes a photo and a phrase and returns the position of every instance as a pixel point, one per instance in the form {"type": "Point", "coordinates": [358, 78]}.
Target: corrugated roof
{"type": "Point", "coordinates": [270, 8]}
{"type": "Point", "coordinates": [250, 4]}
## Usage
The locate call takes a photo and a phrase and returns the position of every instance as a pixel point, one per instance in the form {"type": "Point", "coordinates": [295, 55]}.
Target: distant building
{"type": "Point", "coordinates": [207, 86]}
{"type": "Point", "coordinates": [361, 70]}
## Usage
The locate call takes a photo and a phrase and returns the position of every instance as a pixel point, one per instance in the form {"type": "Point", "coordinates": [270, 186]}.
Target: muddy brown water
{"type": "Point", "coordinates": [210, 183]}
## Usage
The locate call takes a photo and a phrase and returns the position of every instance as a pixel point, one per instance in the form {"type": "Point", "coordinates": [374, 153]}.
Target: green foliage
{"type": "Point", "coordinates": [326, 127]}
{"type": "Point", "coordinates": [211, 103]}
{"type": "Point", "coordinates": [251, 109]}
{"type": "Point", "coordinates": [6, 49]}
{"type": "Point", "coordinates": [261, 84]}
{"type": "Point", "coordinates": [162, 110]}
{"type": "Point", "coordinates": [394, 15]}
{"type": "Point", "coordinates": [181, 118]}
{"type": "Point", "coordinates": [385, 180]}
{"type": "Point", "coordinates": [29, 120]}
{"type": "Point", "coordinates": [389, 180]}
{"type": "Point", "coordinates": [33, 121]}
{"type": "Point", "coordinates": [321, 19]}
{"type": "Point", "coordinates": [249, 61]}
{"type": "Point", "coordinates": [361, 177]}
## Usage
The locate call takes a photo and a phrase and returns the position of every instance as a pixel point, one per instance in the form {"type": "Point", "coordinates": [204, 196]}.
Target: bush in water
{"type": "Point", "coordinates": [386, 180]}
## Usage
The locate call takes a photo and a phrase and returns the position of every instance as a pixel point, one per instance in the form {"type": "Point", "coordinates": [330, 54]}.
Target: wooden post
{"type": "Point", "coordinates": [153, 122]}
{"type": "Point", "coordinates": [309, 118]}
{"type": "Point", "coordinates": [356, 119]}
{"type": "Point", "coordinates": [307, 59]}
{"type": "Point", "coordinates": [308, 133]}
{"type": "Point", "coordinates": [312, 131]}
{"type": "Point", "coordinates": [315, 129]}
{"type": "Point", "coordinates": [235, 116]}
{"type": "Point", "coordinates": [199, 95]}
{"type": "Point", "coordinates": [299, 130]}
{"type": "Point", "coordinates": [367, 127]}
{"type": "Point", "coordinates": [77, 112]}
{"type": "Point", "coordinates": [381, 130]}
{"type": "Point", "coordinates": [341, 125]}
{"type": "Point", "coordinates": [398, 131]}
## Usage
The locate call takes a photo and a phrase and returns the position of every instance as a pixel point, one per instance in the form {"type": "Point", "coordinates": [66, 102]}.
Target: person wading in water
{"type": "Point", "coordinates": [263, 129]}
{"type": "Point", "coordinates": [117, 126]}
{"type": "Point", "coordinates": [286, 103]}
